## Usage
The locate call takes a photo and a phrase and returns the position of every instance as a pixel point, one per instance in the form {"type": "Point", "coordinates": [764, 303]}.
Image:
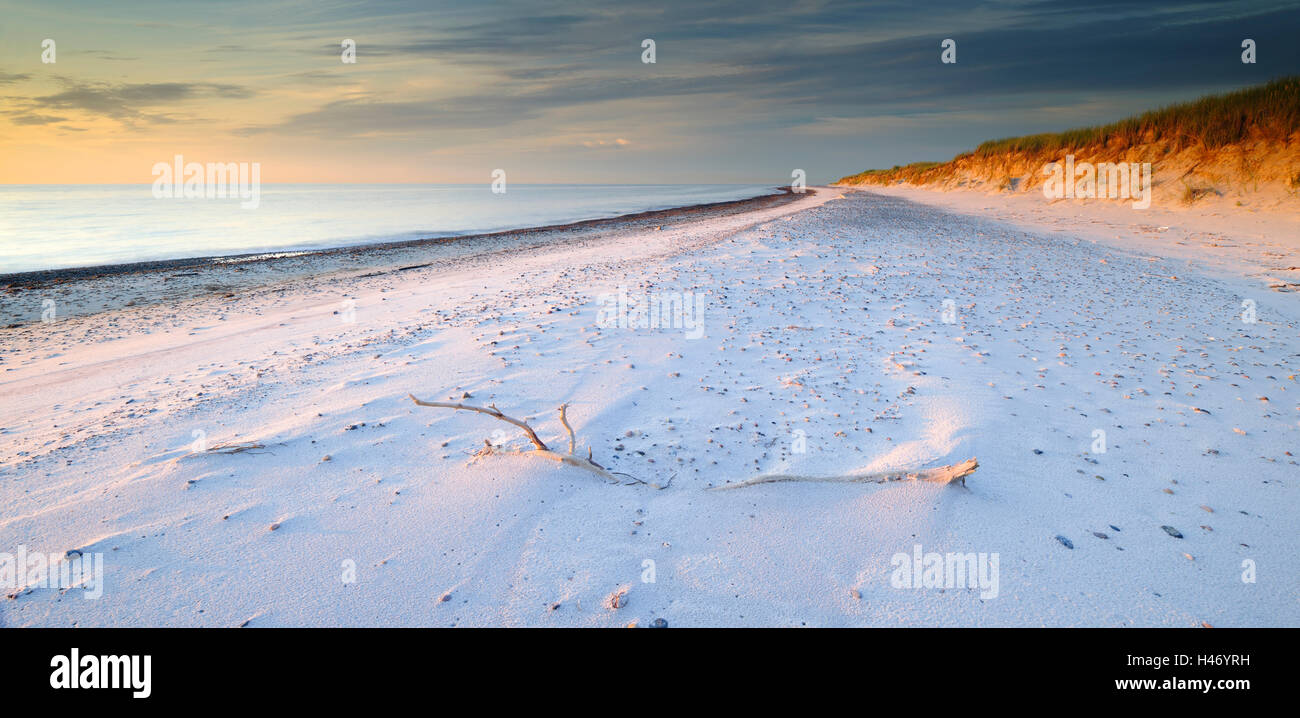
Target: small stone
{"type": "Point", "coordinates": [1065, 542]}
{"type": "Point", "coordinates": [659, 623]}
{"type": "Point", "coordinates": [1172, 531]}
{"type": "Point", "coordinates": [856, 594]}
{"type": "Point", "coordinates": [1100, 535]}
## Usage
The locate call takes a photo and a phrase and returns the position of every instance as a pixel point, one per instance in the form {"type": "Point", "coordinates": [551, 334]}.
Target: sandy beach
{"type": "Point", "coordinates": [839, 332]}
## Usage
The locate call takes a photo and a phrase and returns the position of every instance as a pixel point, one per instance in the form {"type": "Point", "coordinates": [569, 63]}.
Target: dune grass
{"type": "Point", "coordinates": [1269, 112]}
{"type": "Point", "coordinates": [1266, 112]}
{"type": "Point", "coordinates": [895, 171]}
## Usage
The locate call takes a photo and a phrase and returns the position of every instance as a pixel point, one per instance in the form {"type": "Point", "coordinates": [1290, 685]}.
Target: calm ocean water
{"type": "Point", "coordinates": [58, 226]}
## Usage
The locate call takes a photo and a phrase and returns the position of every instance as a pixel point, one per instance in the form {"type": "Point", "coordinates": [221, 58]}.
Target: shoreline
{"type": "Point", "coordinates": [79, 291]}
{"type": "Point", "coordinates": [37, 277]}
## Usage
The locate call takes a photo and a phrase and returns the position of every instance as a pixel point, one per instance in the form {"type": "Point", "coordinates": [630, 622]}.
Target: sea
{"type": "Point", "coordinates": [62, 226]}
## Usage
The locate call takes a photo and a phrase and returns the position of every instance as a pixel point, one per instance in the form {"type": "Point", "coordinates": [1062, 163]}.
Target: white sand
{"type": "Point", "coordinates": [823, 316]}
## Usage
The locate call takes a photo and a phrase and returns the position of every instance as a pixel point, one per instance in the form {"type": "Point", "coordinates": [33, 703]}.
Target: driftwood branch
{"type": "Point", "coordinates": [940, 474]}
{"type": "Point", "coordinates": [492, 411]}
{"type": "Point", "coordinates": [251, 447]}
{"type": "Point", "coordinates": [565, 420]}
{"type": "Point", "coordinates": [235, 447]}
{"type": "Point", "coordinates": [953, 473]}
{"type": "Point", "coordinates": [541, 449]}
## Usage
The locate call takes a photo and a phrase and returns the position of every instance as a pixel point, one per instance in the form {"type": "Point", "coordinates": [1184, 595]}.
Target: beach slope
{"type": "Point", "coordinates": [252, 458]}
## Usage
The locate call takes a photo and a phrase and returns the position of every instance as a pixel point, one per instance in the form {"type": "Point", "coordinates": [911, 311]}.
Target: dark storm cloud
{"type": "Point", "coordinates": [806, 60]}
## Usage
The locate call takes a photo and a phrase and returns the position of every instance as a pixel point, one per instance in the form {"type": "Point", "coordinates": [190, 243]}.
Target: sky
{"type": "Point", "coordinates": [741, 92]}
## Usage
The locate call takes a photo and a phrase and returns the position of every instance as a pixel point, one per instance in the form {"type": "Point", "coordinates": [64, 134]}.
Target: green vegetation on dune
{"type": "Point", "coordinates": [1269, 113]}
{"type": "Point", "coordinates": [896, 169]}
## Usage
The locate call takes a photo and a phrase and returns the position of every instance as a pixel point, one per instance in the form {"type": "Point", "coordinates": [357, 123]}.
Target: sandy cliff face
{"type": "Point", "coordinates": [1258, 174]}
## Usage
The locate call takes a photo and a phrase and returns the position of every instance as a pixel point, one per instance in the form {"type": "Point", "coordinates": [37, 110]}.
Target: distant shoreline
{"type": "Point", "coordinates": [38, 277]}
{"type": "Point", "coordinates": [81, 291]}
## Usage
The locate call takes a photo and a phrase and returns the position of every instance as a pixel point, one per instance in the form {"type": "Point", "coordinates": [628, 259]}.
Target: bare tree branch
{"type": "Point", "coordinates": [564, 420]}
{"type": "Point", "coordinates": [570, 458]}
{"type": "Point", "coordinates": [939, 474]}
{"type": "Point", "coordinates": [491, 411]}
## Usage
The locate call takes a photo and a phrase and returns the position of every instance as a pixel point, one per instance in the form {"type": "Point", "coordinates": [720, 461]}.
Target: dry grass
{"type": "Point", "coordinates": [895, 173]}
{"type": "Point", "coordinates": [1191, 193]}
{"type": "Point", "coordinates": [1267, 114]}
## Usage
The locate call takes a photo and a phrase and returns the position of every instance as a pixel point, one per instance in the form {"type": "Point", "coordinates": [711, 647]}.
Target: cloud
{"type": "Point", "coordinates": [130, 103]}
{"type": "Point", "coordinates": [793, 63]}
{"type": "Point", "coordinates": [737, 83]}
{"type": "Point", "coordinates": [106, 55]}
{"type": "Point", "coordinates": [29, 119]}
{"type": "Point", "coordinates": [616, 144]}
{"type": "Point", "coordinates": [371, 117]}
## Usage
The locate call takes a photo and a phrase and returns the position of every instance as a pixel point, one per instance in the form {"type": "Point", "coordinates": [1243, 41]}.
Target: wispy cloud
{"type": "Point", "coordinates": [613, 144]}
{"type": "Point", "coordinates": [29, 119]}
{"type": "Point", "coordinates": [741, 88]}
{"type": "Point", "coordinates": [129, 103]}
